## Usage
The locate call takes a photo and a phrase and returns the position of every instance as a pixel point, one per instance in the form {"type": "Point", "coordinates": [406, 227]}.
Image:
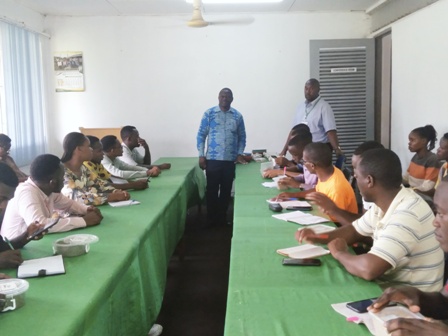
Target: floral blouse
{"type": "Point", "coordinates": [98, 169]}
{"type": "Point", "coordinates": [87, 189]}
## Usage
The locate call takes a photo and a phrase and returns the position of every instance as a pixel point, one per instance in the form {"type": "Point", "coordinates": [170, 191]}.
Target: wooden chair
{"type": "Point", "coordinates": [101, 132]}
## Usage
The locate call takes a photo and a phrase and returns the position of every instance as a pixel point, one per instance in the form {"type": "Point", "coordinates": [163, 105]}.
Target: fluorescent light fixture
{"type": "Point", "coordinates": [223, 2]}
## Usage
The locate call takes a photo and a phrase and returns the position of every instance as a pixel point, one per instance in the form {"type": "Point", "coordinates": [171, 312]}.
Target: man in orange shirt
{"type": "Point", "coordinates": [332, 182]}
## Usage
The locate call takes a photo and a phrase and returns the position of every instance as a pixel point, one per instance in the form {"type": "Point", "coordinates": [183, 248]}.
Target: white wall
{"type": "Point", "coordinates": [419, 75]}
{"type": "Point", "coordinates": [159, 75]}
{"type": "Point", "coordinates": [14, 12]}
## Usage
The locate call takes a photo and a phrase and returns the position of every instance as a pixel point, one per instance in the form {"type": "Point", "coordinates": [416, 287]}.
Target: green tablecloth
{"type": "Point", "coordinates": [267, 298]}
{"type": "Point", "coordinates": [117, 288]}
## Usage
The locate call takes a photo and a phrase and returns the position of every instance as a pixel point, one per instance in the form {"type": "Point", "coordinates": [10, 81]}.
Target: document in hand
{"type": "Point", "coordinates": [300, 217]}
{"type": "Point", "coordinates": [123, 203]}
{"type": "Point", "coordinates": [304, 251]}
{"type": "Point", "coordinates": [41, 267]}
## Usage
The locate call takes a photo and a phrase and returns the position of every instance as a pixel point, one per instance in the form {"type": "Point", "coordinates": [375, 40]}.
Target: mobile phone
{"type": "Point", "coordinates": [52, 223]}
{"type": "Point", "coordinates": [275, 207]}
{"type": "Point", "coordinates": [302, 208]}
{"type": "Point", "coordinates": [301, 262]}
{"type": "Point", "coordinates": [362, 305]}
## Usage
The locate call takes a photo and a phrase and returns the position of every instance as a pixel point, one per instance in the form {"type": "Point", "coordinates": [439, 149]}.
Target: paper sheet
{"type": "Point", "coordinates": [123, 203]}
{"type": "Point", "coordinates": [50, 265]}
{"type": "Point", "coordinates": [320, 228]}
{"type": "Point", "coordinates": [300, 217]}
{"type": "Point", "coordinates": [365, 318]}
{"type": "Point", "coordinates": [286, 204]}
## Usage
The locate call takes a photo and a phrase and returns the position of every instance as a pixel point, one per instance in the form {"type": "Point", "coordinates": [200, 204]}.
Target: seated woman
{"type": "Point", "coordinates": [79, 183]}
{"type": "Point", "coordinates": [5, 146]}
{"type": "Point", "coordinates": [423, 170]}
{"type": "Point", "coordinates": [97, 169]}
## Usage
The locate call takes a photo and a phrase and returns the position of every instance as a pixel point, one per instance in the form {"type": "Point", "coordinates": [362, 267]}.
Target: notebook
{"type": "Point", "coordinates": [304, 251]}
{"type": "Point", "coordinates": [302, 218]}
{"type": "Point", "coordinates": [41, 267]}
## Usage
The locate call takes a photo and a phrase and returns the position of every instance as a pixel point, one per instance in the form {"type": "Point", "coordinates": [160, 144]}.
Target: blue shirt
{"type": "Point", "coordinates": [225, 134]}
{"type": "Point", "coordinates": [319, 117]}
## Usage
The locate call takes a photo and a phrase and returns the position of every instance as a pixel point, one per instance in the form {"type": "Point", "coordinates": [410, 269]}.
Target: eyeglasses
{"type": "Point", "coordinates": [303, 162]}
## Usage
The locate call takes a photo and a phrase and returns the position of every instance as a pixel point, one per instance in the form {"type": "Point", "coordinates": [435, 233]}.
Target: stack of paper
{"type": "Point", "coordinates": [304, 251]}
{"type": "Point", "coordinates": [300, 217]}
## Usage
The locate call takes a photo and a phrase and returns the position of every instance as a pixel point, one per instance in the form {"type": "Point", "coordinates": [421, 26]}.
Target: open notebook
{"type": "Point", "coordinates": [300, 217]}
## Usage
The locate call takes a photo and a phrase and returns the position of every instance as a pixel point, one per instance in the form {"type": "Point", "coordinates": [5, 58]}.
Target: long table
{"type": "Point", "coordinates": [267, 298]}
{"type": "Point", "coordinates": [117, 288]}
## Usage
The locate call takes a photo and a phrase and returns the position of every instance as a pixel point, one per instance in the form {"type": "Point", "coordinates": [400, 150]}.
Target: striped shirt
{"type": "Point", "coordinates": [422, 172]}
{"type": "Point", "coordinates": [404, 237]}
{"type": "Point", "coordinates": [225, 134]}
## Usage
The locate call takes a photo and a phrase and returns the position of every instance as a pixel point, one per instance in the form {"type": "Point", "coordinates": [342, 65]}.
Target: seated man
{"type": "Point", "coordinates": [132, 156]}
{"type": "Point", "coordinates": [332, 183]}
{"type": "Point", "coordinates": [5, 146]}
{"type": "Point", "coordinates": [329, 207]}
{"type": "Point", "coordinates": [98, 171]}
{"type": "Point", "coordinates": [306, 180]}
{"type": "Point", "coordinates": [405, 250]}
{"type": "Point", "coordinates": [284, 162]}
{"type": "Point", "coordinates": [112, 150]}
{"type": "Point", "coordinates": [40, 196]}
{"type": "Point", "coordinates": [434, 304]}
{"type": "Point", "coordinates": [9, 255]}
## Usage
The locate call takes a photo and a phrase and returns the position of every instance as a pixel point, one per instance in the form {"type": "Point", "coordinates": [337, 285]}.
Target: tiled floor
{"type": "Point", "coordinates": [196, 291]}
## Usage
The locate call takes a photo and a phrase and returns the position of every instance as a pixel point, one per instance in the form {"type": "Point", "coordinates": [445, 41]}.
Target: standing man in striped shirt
{"type": "Point", "coordinates": [223, 128]}
{"type": "Point", "coordinates": [405, 250]}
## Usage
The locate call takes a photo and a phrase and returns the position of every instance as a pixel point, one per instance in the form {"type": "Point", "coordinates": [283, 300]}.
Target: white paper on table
{"type": "Point", "coordinates": [320, 228]}
{"type": "Point", "coordinates": [123, 203]}
{"type": "Point", "coordinates": [49, 266]}
{"type": "Point", "coordinates": [286, 204]}
{"type": "Point", "coordinates": [304, 251]}
{"type": "Point", "coordinates": [269, 184]}
{"type": "Point", "coordinates": [300, 217]}
{"type": "Point", "coordinates": [365, 318]}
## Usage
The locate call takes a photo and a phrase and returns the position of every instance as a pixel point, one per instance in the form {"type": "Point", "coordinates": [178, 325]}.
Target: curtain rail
{"type": "Point", "coordinates": [23, 26]}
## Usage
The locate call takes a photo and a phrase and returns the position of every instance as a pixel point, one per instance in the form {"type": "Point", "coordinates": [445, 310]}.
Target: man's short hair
{"type": "Point", "coordinates": [44, 167]}
{"type": "Point", "coordinates": [383, 165]}
{"type": "Point", "coordinates": [4, 139]}
{"type": "Point", "coordinates": [314, 82]}
{"type": "Point", "coordinates": [300, 128]}
{"type": "Point", "coordinates": [108, 142]}
{"type": "Point", "coordinates": [301, 139]}
{"type": "Point", "coordinates": [319, 154]}
{"type": "Point", "coordinates": [367, 145]}
{"type": "Point", "coordinates": [93, 139]}
{"type": "Point", "coordinates": [7, 176]}
{"type": "Point", "coordinates": [127, 131]}
{"type": "Point", "coordinates": [445, 136]}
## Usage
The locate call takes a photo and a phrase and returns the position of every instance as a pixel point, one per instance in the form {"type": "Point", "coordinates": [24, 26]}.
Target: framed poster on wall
{"type": "Point", "coordinates": [69, 71]}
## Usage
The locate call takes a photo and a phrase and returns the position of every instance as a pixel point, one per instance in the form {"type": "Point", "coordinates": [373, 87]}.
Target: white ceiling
{"type": "Point", "coordinates": [174, 7]}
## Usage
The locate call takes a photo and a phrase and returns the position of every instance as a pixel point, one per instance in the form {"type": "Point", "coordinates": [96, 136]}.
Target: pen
{"type": "Point", "coordinates": [9, 243]}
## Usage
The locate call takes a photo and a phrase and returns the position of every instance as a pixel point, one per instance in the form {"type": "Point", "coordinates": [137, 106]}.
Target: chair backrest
{"type": "Point", "coordinates": [340, 162]}
{"type": "Point", "coordinates": [101, 132]}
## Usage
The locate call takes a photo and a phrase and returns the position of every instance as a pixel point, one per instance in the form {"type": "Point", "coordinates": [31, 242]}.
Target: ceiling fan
{"type": "Point", "coordinates": [197, 20]}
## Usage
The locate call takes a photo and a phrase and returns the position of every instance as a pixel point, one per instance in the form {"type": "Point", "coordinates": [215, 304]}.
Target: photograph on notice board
{"type": "Point", "coordinates": [69, 71]}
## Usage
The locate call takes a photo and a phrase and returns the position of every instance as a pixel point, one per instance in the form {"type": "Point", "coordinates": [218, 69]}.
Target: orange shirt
{"type": "Point", "coordinates": [339, 191]}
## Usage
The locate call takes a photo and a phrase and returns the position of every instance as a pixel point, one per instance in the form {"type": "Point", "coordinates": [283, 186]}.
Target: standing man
{"type": "Point", "coordinates": [223, 127]}
{"type": "Point", "coordinates": [318, 115]}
